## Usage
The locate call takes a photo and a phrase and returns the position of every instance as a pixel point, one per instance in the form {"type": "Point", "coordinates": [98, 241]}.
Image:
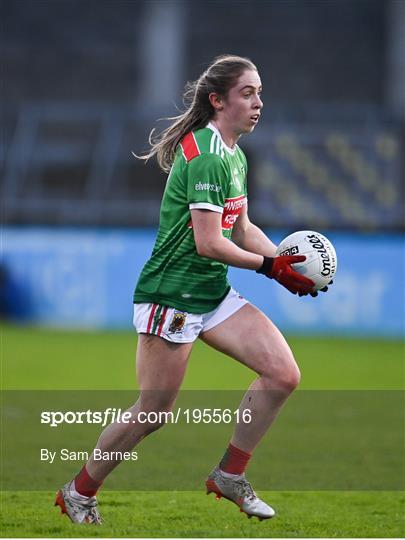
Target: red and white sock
{"type": "Point", "coordinates": [234, 462]}
{"type": "Point", "coordinates": [85, 485]}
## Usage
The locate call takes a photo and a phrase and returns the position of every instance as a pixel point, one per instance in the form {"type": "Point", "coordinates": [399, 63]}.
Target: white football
{"type": "Point", "coordinates": [321, 261]}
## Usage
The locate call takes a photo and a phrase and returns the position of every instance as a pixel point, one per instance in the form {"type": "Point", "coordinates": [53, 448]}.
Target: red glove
{"type": "Point", "coordinates": [279, 268]}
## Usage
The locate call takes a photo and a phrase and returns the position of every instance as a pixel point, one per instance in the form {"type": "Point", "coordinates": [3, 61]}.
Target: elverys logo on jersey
{"type": "Point", "coordinates": [232, 209]}
{"type": "Point", "coordinates": [207, 187]}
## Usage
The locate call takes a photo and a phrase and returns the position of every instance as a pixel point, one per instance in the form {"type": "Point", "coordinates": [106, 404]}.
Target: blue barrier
{"type": "Point", "coordinates": [85, 278]}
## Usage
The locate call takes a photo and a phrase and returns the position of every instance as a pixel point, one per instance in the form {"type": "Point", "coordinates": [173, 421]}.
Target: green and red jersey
{"type": "Point", "coordinates": [206, 174]}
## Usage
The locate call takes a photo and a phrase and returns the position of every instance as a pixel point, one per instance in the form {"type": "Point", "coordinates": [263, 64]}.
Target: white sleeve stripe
{"type": "Point", "coordinates": [206, 206]}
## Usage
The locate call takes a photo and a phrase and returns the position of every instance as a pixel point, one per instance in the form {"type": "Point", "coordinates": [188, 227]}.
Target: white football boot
{"type": "Point", "coordinates": [78, 508]}
{"type": "Point", "coordinates": [239, 491]}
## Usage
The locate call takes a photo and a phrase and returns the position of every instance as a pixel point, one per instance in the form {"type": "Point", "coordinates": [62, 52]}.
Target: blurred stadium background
{"type": "Point", "coordinates": [85, 81]}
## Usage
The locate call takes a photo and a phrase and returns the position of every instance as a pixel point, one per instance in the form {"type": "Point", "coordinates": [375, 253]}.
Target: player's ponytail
{"type": "Point", "coordinates": [219, 78]}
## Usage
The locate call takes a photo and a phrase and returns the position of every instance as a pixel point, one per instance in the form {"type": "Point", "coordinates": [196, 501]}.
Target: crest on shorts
{"type": "Point", "coordinates": [177, 323]}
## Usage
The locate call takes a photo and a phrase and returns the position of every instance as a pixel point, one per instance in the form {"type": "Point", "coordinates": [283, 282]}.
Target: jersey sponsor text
{"type": "Point", "coordinates": [207, 187]}
{"type": "Point", "coordinates": [232, 209]}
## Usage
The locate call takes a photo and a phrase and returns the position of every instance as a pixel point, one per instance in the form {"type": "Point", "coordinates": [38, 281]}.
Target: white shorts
{"type": "Point", "coordinates": [180, 326]}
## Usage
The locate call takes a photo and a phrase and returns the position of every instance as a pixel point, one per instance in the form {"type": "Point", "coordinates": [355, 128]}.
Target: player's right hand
{"type": "Point", "coordinates": [279, 268]}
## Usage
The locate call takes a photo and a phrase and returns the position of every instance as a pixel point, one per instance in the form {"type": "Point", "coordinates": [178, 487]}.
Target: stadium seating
{"type": "Point", "coordinates": [326, 152]}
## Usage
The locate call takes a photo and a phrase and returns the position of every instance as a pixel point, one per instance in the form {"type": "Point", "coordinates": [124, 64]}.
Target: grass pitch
{"type": "Point", "coordinates": [34, 358]}
{"type": "Point", "coordinates": [38, 359]}
{"type": "Point", "coordinates": [194, 515]}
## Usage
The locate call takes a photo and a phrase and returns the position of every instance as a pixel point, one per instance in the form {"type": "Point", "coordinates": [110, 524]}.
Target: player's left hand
{"type": "Point", "coordinates": [280, 268]}
{"type": "Point", "coordinates": [315, 293]}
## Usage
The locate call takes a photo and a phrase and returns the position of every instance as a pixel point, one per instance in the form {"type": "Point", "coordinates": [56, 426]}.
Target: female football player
{"type": "Point", "coordinates": [183, 292]}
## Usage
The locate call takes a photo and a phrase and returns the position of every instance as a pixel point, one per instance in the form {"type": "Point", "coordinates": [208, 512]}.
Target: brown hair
{"type": "Point", "coordinates": [218, 78]}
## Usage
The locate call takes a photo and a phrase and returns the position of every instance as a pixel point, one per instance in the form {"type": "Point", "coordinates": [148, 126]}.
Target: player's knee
{"type": "Point", "coordinates": [284, 373]}
{"type": "Point", "coordinates": [292, 377]}
{"type": "Point", "coordinates": [284, 381]}
{"type": "Point", "coordinates": [289, 378]}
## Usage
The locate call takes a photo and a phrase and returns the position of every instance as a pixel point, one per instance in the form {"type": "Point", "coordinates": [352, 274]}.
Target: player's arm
{"type": "Point", "coordinates": [206, 202]}
{"type": "Point", "coordinates": [209, 241]}
{"type": "Point", "coordinates": [206, 188]}
{"type": "Point", "coordinates": [249, 237]}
